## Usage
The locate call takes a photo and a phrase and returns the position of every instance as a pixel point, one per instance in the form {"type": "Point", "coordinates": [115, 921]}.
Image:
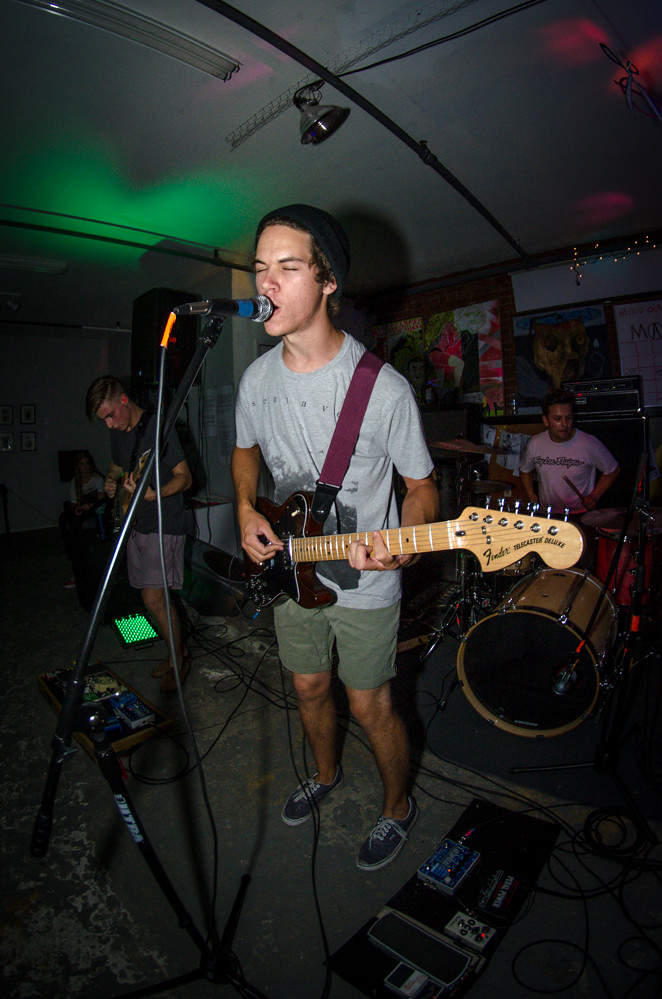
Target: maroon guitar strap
{"type": "Point", "coordinates": [345, 435]}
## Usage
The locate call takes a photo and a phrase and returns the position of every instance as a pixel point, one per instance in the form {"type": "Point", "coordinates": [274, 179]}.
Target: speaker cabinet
{"type": "Point", "coordinates": [150, 315]}
{"type": "Point", "coordinates": [627, 438]}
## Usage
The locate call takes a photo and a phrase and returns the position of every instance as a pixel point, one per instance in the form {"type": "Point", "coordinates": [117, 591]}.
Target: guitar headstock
{"type": "Point", "coordinates": [499, 538]}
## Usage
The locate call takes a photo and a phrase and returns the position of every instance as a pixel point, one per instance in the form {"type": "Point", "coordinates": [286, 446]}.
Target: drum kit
{"type": "Point", "coordinates": [538, 647]}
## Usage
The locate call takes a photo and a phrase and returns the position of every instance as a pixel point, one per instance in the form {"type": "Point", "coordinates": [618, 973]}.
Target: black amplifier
{"type": "Point", "coordinates": [607, 396]}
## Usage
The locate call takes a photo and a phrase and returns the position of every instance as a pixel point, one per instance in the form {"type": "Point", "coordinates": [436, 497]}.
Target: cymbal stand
{"type": "Point", "coordinates": [466, 602]}
{"type": "Point", "coordinates": [626, 675]}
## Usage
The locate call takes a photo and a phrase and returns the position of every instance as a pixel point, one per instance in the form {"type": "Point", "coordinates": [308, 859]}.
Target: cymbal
{"type": "Point", "coordinates": [485, 486]}
{"type": "Point", "coordinates": [613, 518]}
{"type": "Point", "coordinates": [460, 444]}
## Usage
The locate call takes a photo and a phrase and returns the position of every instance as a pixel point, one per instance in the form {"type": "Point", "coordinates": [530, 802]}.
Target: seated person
{"type": "Point", "coordinates": [86, 494]}
{"type": "Point", "coordinates": [567, 462]}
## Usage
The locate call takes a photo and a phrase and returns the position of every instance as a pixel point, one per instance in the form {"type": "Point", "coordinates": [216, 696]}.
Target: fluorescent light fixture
{"type": "Point", "coordinates": [143, 29]}
{"type": "Point", "coordinates": [40, 265]}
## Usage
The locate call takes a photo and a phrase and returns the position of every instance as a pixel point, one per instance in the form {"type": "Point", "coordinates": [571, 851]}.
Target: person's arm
{"type": "Point", "coordinates": [257, 537]}
{"type": "Point", "coordinates": [606, 480]}
{"type": "Point", "coordinates": [526, 478]}
{"type": "Point", "coordinates": [420, 506]}
{"type": "Point", "coordinates": [179, 483]}
{"type": "Point", "coordinates": [113, 476]}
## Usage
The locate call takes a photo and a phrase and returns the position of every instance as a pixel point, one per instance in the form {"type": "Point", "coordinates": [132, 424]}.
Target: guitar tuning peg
{"type": "Point", "coordinates": [502, 504]}
{"type": "Point", "coordinates": [549, 513]}
{"type": "Point", "coordinates": [566, 513]}
{"type": "Point", "coordinates": [488, 500]}
{"type": "Point", "coordinates": [517, 506]}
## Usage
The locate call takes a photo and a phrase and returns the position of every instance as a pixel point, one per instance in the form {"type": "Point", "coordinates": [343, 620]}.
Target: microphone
{"type": "Point", "coordinates": [258, 309]}
{"type": "Point", "coordinates": [564, 680]}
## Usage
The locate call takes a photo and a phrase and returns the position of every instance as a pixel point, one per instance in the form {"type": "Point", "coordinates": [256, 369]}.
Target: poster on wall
{"type": "Point", "coordinates": [401, 344]}
{"type": "Point", "coordinates": [463, 348]}
{"type": "Point", "coordinates": [639, 332]}
{"type": "Point", "coordinates": [569, 345]}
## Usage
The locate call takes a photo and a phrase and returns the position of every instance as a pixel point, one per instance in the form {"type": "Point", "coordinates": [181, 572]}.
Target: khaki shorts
{"type": "Point", "coordinates": [366, 641]}
{"type": "Point", "coordinates": [143, 560]}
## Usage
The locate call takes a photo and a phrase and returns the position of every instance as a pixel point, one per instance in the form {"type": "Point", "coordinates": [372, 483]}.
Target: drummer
{"type": "Point", "coordinates": [574, 469]}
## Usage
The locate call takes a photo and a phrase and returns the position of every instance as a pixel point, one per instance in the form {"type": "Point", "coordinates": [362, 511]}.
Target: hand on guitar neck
{"type": "Point", "coordinates": [496, 538]}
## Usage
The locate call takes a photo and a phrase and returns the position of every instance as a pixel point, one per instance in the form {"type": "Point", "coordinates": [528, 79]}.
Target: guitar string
{"type": "Point", "coordinates": [441, 538]}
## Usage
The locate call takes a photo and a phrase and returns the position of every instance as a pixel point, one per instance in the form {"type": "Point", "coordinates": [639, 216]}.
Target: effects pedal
{"type": "Point", "coordinates": [132, 711]}
{"type": "Point", "coordinates": [449, 865]}
{"type": "Point", "coordinates": [471, 931]}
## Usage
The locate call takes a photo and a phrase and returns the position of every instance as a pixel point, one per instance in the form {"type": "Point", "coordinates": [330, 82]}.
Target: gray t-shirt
{"type": "Point", "coordinates": [292, 416]}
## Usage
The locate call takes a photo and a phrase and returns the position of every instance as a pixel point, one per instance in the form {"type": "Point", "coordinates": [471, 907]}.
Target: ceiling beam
{"type": "Point", "coordinates": [420, 148]}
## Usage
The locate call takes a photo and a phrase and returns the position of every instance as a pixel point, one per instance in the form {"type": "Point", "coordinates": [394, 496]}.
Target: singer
{"type": "Point", "coordinates": [287, 407]}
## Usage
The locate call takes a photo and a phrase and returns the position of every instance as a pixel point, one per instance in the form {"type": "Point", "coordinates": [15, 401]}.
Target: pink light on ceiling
{"type": "Point", "coordinates": [603, 207]}
{"type": "Point", "coordinates": [574, 41]}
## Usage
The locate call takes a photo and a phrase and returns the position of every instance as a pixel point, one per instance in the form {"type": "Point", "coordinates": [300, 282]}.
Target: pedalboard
{"type": "Point", "coordinates": [449, 865]}
{"type": "Point", "coordinates": [472, 932]}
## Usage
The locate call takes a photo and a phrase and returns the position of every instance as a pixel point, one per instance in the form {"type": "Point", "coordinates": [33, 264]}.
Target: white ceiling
{"type": "Point", "coordinates": [107, 138]}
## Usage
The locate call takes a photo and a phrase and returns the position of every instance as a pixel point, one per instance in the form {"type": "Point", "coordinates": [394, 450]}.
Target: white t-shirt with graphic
{"type": "Point", "coordinates": [579, 459]}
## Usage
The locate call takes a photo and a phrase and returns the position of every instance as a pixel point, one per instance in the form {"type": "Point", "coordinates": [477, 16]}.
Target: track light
{"type": "Point", "coordinates": [145, 30]}
{"type": "Point", "coordinates": [318, 121]}
{"type": "Point", "coordinates": [40, 265]}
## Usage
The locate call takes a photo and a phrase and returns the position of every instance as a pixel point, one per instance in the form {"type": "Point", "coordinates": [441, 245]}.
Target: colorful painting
{"type": "Point", "coordinates": [401, 344]}
{"type": "Point", "coordinates": [463, 347]}
{"type": "Point", "coordinates": [553, 348]}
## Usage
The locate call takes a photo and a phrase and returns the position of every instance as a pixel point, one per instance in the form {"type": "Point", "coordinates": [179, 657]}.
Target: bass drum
{"type": "Point", "coordinates": [508, 661]}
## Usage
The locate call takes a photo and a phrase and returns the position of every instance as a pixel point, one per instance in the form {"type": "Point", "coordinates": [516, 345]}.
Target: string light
{"type": "Point", "coordinates": [580, 262]}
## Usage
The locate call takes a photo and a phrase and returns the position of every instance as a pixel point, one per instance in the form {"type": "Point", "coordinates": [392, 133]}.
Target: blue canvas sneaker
{"type": "Point", "coordinates": [386, 840]}
{"type": "Point", "coordinates": [299, 805]}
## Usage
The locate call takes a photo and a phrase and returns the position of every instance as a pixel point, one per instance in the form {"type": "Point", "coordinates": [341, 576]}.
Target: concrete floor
{"type": "Point", "coordinates": [88, 920]}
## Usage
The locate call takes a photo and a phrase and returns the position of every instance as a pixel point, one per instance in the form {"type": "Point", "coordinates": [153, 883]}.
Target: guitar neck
{"type": "Point", "coordinates": [399, 541]}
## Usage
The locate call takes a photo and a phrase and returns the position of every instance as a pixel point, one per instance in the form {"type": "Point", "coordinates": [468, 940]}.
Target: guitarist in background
{"type": "Point", "coordinates": [132, 432]}
{"type": "Point", "coordinates": [288, 402]}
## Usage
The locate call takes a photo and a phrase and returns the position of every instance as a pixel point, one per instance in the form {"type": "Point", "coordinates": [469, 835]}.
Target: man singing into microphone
{"type": "Point", "coordinates": [287, 407]}
{"type": "Point", "coordinates": [132, 435]}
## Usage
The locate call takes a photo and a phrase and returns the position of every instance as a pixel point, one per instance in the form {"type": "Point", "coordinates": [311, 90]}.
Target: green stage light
{"type": "Point", "coordinates": [134, 630]}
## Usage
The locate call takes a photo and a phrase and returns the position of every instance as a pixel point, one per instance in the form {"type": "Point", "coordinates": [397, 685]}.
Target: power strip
{"type": "Point", "coordinates": [470, 931]}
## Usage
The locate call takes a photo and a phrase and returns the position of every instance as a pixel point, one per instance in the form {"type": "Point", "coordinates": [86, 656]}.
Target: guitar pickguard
{"type": "Point", "coordinates": [280, 576]}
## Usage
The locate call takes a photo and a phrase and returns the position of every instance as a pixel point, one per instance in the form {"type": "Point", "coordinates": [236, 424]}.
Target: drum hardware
{"type": "Point", "coordinates": [459, 444]}
{"type": "Point", "coordinates": [629, 657]}
{"type": "Point", "coordinates": [510, 660]}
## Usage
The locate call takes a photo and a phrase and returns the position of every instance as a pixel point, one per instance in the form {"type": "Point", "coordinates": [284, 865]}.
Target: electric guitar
{"type": "Point", "coordinates": [496, 538]}
{"type": "Point", "coordinates": [123, 496]}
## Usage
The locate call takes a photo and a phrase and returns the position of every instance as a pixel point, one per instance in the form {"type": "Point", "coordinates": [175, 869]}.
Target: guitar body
{"type": "Point", "coordinates": [280, 576]}
{"type": "Point", "coordinates": [123, 497]}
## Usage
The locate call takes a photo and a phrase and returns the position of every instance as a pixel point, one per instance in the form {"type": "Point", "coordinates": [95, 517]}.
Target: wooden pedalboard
{"type": "Point", "coordinates": [104, 685]}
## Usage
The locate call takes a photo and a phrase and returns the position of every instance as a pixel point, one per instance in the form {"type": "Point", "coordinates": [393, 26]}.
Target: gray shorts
{"type": "Point", "coordinates": [143, 560]}
{"type": "Point", "coordinates": [366, 641]}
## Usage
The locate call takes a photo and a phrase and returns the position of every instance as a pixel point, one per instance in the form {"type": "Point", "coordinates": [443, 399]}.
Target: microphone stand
{"type": "Point", "coordinates": [607, 752]}
{"type": "Point", "coordinates": [217, 962]}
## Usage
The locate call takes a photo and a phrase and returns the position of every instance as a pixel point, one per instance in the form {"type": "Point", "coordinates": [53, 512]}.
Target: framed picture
{"type": "Point", "coordinates": [6, 442]}
{"type": "Point", "coordinates": [6, 416]}
{"type": "Point", "coordinates": [28, 440]}
{"type": "Point", "coordinates": [27, 412]}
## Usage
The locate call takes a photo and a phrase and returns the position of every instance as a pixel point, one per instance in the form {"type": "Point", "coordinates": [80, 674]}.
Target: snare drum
{"type": "Point", "coordinates": [509, 660]}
